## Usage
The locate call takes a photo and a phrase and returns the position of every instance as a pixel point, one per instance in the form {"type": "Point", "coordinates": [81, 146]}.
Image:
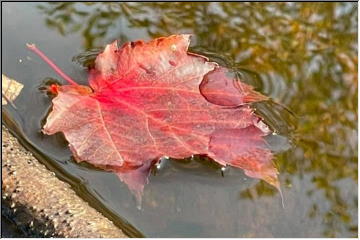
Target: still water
{"type": "Point", "coordinates": [302, 55]}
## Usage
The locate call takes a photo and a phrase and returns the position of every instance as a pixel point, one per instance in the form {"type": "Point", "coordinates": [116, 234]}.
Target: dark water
{"type": "Point", "coordinates": [10, 230]}
{"type": "Point", "coordinates": [302, 55]}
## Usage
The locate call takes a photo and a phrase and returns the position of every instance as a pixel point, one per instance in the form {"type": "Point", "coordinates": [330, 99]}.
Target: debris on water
{"type": "Point", "coordinates": [138, 205]}
{"type": "Point", "coordinates": [10, 90]}
{"type": "Point", "coordinates": [223, 169]}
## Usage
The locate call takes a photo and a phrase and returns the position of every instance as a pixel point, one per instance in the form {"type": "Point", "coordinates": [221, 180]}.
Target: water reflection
{"type": "Point", "coordinates": [303, 55]}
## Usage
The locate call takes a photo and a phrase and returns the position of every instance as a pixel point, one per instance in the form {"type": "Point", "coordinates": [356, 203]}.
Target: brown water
{"type": "Point", "coordinates": [302, 55]}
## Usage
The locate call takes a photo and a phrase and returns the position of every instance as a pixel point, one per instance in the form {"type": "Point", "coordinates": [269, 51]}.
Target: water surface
{"type": "Point", "coordinates": [302, 55]}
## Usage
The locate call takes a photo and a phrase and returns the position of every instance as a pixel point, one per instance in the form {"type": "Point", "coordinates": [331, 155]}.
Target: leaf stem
{"type": "Point", "coordinates": [33, 48]}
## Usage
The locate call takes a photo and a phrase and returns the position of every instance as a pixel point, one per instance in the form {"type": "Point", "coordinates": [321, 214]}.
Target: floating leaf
{"type": "Point", "coordinates": [145, 103]}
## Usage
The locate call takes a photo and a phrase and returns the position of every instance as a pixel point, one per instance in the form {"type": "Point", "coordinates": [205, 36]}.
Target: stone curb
{"type": "Point", "coordinates": [40, 204]}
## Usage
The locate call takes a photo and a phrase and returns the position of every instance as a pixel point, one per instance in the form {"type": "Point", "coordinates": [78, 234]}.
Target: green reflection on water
{"type": "Point", "coordinates": [305, 55]}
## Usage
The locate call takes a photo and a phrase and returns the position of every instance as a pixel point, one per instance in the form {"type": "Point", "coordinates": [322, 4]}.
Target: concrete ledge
{"type": "Point", "coordinates": [40, 204]}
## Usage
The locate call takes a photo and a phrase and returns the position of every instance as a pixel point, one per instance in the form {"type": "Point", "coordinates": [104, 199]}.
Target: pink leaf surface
{"type": "Point", "coordinates": [221, 87]}
{"type": "Point", "coordinates": [245, 148]}
{"type": "Point", "coordinates": [149, 100]}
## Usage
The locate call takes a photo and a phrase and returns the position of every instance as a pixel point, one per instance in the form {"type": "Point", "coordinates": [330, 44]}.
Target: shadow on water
{"type": "Point", "coordinates": [302, 55]}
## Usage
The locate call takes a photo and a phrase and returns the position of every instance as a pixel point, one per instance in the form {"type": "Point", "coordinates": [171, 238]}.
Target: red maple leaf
{"type": "Point", "coordinates": [155, 99]}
